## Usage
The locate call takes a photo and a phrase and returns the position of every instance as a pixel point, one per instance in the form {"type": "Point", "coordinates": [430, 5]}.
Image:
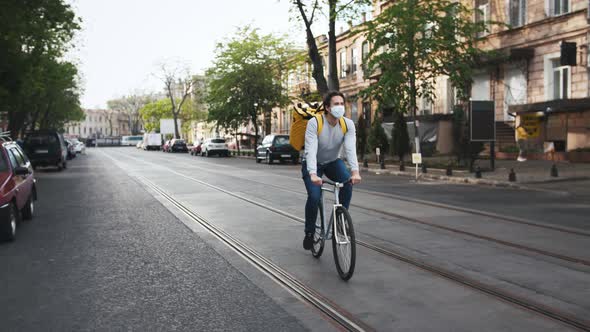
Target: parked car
{"type": "Point", "coordinates": [214, 146]}
{"type": "Point", "coordinates": [152, 141]}
{"type": "Point", "coordinates": [17, 189]}
{"type": "Point", "coordinates": [79, 147]}
{"type": "Point", "coordinates": [166, 146]}
{"type": "Point", "coordinates": [139, 145]}
{"type": "Point", "coordinates": [177, 145]}
{"type": "Point", "coordinates": [71, 150]}
{"type": "Point", "coordinates": [196, 149]}
{"type": "Point", "coordinates": [276, 147]}
{"type": "Point", "coordinates": [46, 148]}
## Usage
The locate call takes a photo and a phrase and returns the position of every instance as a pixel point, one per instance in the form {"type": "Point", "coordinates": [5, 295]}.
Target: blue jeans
{"type": "Point", "coordinates": [335, 171]}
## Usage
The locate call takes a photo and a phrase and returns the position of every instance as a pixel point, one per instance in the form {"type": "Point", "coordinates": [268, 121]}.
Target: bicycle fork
{"type": "Point", "coordinates": [337, 220]}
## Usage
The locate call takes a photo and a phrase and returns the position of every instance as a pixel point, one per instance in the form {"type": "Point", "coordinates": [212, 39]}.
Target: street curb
{"type": "Point", "coordinates": [449, 179]}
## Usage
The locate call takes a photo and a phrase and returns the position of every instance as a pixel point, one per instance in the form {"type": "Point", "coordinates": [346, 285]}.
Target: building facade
{"type": "Point", "coordinates": [99, 123]}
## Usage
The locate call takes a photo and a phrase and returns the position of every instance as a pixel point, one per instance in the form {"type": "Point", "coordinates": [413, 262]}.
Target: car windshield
{"type": "Point", "coordinates": [40, 140]}
{"type": "Point", "coordinates": [179, 141]}
{"type": "Point", "coordinates": [282, 140]}
{"type": "Point", "coordinates": [217, 141]}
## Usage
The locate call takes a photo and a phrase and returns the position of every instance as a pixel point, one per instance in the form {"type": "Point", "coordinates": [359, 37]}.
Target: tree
{"type": "Point", "coordinates": [37, 88]}
{"type": "Point", "coordinates": [129, 106]}
{"type": "Point", "coordinates": [378, 138]}
{"type": "Point", "coordinates": [361, 136]}
{"type": "Point", "coordinates": [308, 12]}
{"type": "Point", "coordinates": [178, 84]}
{"type": "Point", "coordinates": [245, 80]}
{"type": "Point", "coordinates": [415, 42]}
{"type": "Point", "coordinates": [152, 112]}
{"type": "Point", "coordinates": [400, 140]}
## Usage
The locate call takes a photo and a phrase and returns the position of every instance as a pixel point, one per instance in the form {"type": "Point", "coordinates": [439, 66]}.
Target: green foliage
{"type": "Point", "coordinates": [38, 89]}
{"type": "Point", "coordinates": [361, 136]}
{"type": "Point", "coordinates": [414, 43]}
{"type": "Point", "coordinates": [245, 80]}
{"type": "Point", "coordinates": [153, 112]}
{"type": "Point", "coordinates": [378, 137]}
{"type": "Point", "coordinates": [400, 139]}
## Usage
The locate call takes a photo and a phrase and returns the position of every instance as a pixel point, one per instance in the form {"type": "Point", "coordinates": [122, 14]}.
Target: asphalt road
{"type": "Point", "coordinates": [103, 254]}
{"type": "Point", "coordinates": [107, 252]}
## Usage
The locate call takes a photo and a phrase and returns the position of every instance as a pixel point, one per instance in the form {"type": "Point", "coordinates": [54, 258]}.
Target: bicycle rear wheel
{"type": "Point", "coordinates": [319, 236]}
{"type": "Point", "coordinates": [343, 243]}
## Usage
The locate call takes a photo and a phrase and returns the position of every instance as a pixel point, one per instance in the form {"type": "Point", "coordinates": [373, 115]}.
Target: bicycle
{"type": "Point", "coordinates": [339, 229]}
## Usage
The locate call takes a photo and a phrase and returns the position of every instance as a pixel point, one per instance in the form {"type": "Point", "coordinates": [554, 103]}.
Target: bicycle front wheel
{"type": "Point", "coordinates": [343, 243]}
{"type": "Point", "coordinates": [319, 235]}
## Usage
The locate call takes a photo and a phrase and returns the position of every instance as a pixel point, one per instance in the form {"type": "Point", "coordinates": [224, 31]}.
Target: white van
{"type": "Point", "coordinates": [152, 141]}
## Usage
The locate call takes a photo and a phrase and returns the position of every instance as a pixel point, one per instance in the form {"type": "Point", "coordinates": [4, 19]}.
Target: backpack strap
{"type": "Point", "coordinates": [343, 126]}
{"type": "Point", "coordinates": [320, 119]}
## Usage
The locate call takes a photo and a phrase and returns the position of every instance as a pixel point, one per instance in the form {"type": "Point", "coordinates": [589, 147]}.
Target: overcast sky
{"type": "Point", "coordinates": [122, 41]}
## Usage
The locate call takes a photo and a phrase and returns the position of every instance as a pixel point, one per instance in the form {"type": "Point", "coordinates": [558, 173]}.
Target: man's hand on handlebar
{"type": "Point", "coordinates": [355, 178]}
{"type": "Point", "coordinates": [315, 179]}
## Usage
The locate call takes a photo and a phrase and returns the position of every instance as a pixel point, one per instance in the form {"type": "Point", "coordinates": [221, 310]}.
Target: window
{"type": "Point", "coordinates": [13, 161]}
{"type": "Point", "coordinates": [517, 13]}
{"type": "Point", "coordinates": [18, 157]}
{"type": "Point", "coordinates": [365, 52]}
{"type": "Point", "coordinates": [482, 15]}
{"type": "Point", "coordinates": [515, 88]}
{"type": "Point", "coordinates": [560, 80]}
{"type": "Point", "coordinates": [343, 65]}
{"type": "Point", "coordinates": [367, 114]}
{"type": "Point", "coordinates": [354, 60]}
{"type": "Point", "coordinates": [354, 112]}
{"type": "Point", "coordinates": [425, 106]}
{"type": "Point", "coordinates": [559, 7]}
{"type": "Point", "coordinates": [480, 89]}
{"type": "Point", "coordinates": [84, 130]}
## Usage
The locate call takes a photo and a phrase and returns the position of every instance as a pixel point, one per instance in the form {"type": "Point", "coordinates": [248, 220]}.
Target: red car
{"type": "Point", "coordinates": [17, 189]}
{"type": "Point", "coordinates": [196, 150]}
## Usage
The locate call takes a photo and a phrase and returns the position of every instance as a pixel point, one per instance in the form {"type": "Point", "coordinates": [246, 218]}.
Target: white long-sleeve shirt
{"type": "Point", "coordinates": [326, 147]}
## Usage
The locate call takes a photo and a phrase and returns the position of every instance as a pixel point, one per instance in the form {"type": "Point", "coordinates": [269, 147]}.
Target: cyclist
{"type": "Point", "coordinates": [321, 157]}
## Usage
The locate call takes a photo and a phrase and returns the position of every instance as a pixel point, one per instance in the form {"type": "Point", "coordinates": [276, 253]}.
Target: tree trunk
{"type": "Point", "coordinates": [175, 115]}
{"type": "Point", "coordinates": [314, 54]}
{"type": "Point", "coordinates": [412, 71]}
{"type": "Point", "coordinates": [333, 83]}
{"type": "Point", "coordinates": [268, 122]}
{"type": "Point", "coordinates": [256, 135]}
{"type": "Point", "coordinates": [237, 141]}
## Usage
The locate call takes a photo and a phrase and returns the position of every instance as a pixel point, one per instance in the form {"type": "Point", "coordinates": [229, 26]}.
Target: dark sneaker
{"type": "Point", "coordinates": [308, 241]}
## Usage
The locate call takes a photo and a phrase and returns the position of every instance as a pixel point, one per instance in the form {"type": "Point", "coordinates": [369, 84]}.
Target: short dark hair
{"type": "Point", "coordinates": [328, 97]}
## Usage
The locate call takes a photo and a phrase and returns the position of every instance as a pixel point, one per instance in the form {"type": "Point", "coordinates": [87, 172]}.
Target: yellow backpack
{"type": "Point", "coordinates": [301, 115]}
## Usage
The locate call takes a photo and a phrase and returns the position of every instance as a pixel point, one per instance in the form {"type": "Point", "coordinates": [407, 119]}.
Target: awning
{"type": "Point", "coordinates": [506, 55]}
{"type": "Point", "coordinates": [553, 106]}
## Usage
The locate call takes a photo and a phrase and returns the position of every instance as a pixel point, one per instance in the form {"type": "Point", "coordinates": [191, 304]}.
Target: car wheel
{"type": "Point", "coordinates": [207, 154]}
{"type": "Point", "coordinates": [60, 166]}
{"type": "Point", "coordinates": [8, 228]}
{"type": "Point", "coordinates": [29, 209]}
{"type": "Point", "coordinates": [295, 160]}
{"type": "Point", "coordinates": [65, 165]}
{"type": "Point", "coordinates": [268, 158]}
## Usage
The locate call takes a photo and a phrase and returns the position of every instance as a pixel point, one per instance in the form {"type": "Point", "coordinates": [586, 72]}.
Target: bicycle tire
{"type": "Point", "coordinates": [319, 238]}
{"type": "Point", "coordinates": [344, 266]}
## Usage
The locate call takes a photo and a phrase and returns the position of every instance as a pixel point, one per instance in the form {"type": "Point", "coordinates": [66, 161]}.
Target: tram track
{"type": "Point", "coordinates": [526, 248]}
{"type": "Point", "coordinates": [503, 295]}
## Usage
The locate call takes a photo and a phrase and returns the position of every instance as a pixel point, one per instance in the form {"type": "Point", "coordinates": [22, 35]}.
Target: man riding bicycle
{"type": "Point", "coordinates": [321, 157]}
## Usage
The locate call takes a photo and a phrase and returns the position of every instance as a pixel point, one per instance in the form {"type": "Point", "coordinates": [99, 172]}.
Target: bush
{"type": "Point", "coordinates": [378, 138]}
{"type": "Point", "coordinates": [510, 149]}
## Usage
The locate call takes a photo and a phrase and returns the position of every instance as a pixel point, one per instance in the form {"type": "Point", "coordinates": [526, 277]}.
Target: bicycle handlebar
{"type": "Point", "coordinates": [330, 182]}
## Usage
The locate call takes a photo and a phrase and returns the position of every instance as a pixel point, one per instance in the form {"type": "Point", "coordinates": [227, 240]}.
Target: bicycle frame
{"type": "Point", "coordinates": [328, 230]}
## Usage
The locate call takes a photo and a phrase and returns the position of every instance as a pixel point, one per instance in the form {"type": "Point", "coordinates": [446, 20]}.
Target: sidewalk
{"type": "Point", "coordinates": [527, 173]}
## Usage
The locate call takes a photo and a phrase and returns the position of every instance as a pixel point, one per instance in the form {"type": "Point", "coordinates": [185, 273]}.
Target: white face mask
{"type": "Point", "coordinates": [337, 111]}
